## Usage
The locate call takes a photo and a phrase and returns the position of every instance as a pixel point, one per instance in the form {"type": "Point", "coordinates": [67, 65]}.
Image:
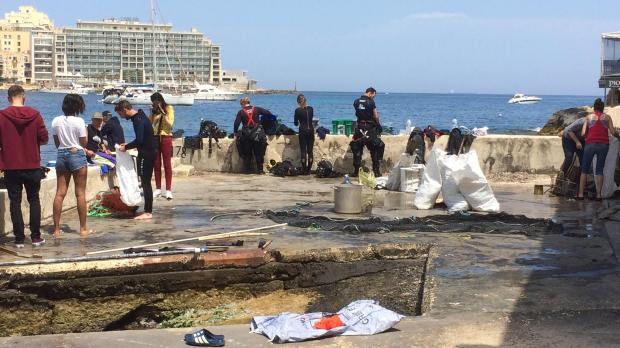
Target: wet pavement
{"type": "Point", "coordinates": [504, 282]}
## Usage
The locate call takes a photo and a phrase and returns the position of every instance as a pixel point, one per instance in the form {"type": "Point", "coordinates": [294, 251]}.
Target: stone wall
{"type": "Point", "coordinates": [95, 184]}
{"type": "Point", "coordinates": [497, 153]}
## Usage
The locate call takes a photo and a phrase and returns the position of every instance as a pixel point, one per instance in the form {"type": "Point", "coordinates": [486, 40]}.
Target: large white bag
{"type": "Point", "coordinates": [609, 171]}
{"type": "Point", "coordinates": [452, 197]}
{"type": "Point", "coordinates": [393, 183]}
{"type": "Point", "coordinates": [430, 186]}
{"type": "Point", "coordinates": [474, 185]}
{"type": "Point", "coordinates": [127, 179]}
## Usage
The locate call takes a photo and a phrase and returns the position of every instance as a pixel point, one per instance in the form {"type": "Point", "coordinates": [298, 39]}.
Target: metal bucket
{"type": "Point", "coordinates": [348, 199]}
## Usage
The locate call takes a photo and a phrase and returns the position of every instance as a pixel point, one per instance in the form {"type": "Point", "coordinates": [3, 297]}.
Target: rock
{"type": "Point", "coordinates": [561, 119]}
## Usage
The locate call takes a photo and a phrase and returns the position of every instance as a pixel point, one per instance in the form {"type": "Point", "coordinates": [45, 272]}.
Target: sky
{"type": "Point", "coordinates": [432, 46]}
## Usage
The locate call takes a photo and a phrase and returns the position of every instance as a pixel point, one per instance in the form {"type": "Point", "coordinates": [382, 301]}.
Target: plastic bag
{"type": "Point", "coordinates": [127, 179]}
{"type": "Point", "coordinates": [452, 197]}
{"type": "Point", "coordinates": [609, 183]}
{"type": "Point", "coordinates": [473, 184]}
{"type": "Point", "coordinates": [367, 179]}
{"type": "Point", "coordinates": [430, 186]}
{"type": "Point", "coordinates": [364, 317]}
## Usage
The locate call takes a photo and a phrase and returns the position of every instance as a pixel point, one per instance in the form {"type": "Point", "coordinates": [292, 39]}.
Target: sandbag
{"type": "Point", "coordinates": [127, 179]}
{"type": "Point", "coordinates": [393, 183]}
{"type": "Point", "coordinates": [609, 184]}
{"type": "Point", "coordinates": [473, 184]}
{"type": "Point", "coordinates": [430, 186]}
{"type": "Point", "coordinates": [452, 197]}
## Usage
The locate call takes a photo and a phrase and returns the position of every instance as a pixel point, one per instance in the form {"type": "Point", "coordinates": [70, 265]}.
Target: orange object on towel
{"type": "Point", "coordinates": [328, 323]}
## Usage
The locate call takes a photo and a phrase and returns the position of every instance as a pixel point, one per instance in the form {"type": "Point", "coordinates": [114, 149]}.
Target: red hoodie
{"type": "Point", "coordinates": [22, 131]}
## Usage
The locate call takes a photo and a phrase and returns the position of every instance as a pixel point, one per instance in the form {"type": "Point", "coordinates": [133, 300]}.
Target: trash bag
{"type": "Point", "coordinates": [609, 170]}
{"type": "Point", "coordinates": [452, 197]}
{"type": "Point", "coordinates": [430, 186]}
{"type": "Point", "coordinates": [363, 317]}
{"type": "Point", "coordinates": [127, 178]}
{"type": "Point", "coordinates": [367, 178]}
{"type": "Point", "coordinates": [474, 185]}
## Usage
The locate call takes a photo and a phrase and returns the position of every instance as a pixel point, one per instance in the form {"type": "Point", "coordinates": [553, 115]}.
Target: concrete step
{"type": "Point", "coordinates": [176, 161]}
{"type": "Point", "coordinates": [183, 170]}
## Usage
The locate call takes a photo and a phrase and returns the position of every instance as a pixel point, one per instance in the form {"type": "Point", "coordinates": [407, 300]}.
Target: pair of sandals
{"type": "Point", "coordinates": [204, 338]}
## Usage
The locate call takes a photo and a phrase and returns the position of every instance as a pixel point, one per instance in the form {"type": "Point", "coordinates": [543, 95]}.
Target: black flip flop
{"type": "Point", "coordinates": [204, 338]}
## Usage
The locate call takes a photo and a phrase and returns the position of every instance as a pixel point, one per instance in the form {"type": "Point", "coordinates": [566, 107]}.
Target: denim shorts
{"type": "Point", "coordinates": [70, 160]}
{"type": "Point", "coordinates": [591, 150]}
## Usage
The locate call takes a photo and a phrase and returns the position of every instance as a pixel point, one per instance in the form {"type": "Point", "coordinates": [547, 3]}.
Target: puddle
{"type": "Point", "coordinates": [455, 273]}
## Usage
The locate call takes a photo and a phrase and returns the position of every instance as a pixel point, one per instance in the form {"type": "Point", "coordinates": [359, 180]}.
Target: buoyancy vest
{"type": "Point", "coordinates": [249, 113]}
{"type": "Point", "coordinates": [598, 132]}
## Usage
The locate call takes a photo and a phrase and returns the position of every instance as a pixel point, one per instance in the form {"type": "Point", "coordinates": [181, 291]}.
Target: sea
{"type": "Point", "coordinates": [395, 109]}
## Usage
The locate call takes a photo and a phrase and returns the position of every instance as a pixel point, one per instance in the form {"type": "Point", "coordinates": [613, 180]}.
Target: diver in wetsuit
{"type": "Point", "coordinates": [303, 118]}
{"type": "Point", "coordinates": [251, 140]}
{"type": "Point", "coordinates": [367, 133]}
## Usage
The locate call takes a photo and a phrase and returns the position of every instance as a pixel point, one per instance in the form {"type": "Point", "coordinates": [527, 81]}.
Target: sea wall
{"type": "Point", "coordinates": [95, 184]}
{"type": "Point", "coordinates": [497, 153]}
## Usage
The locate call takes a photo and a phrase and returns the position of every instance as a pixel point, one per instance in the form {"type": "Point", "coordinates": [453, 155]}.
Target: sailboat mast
{"type": "Point", "coordinates": [154, 49]}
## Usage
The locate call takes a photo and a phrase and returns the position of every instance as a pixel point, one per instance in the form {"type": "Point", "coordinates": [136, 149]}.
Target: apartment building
{"type": "Point", "coordinates": [129, 50]}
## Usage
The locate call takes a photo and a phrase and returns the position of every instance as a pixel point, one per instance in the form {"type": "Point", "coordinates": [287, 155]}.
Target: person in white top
{"type": "Point", "coordinates": [70, 137]}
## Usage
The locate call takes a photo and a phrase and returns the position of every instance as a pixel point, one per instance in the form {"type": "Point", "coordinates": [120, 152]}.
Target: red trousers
{"type": "Point", "coordinates": [164, 152]}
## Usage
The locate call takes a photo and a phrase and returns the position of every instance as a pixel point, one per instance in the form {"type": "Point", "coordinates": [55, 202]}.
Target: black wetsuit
{"type": "Point", "coordinates": [113, 132]}
{"type": "Point", "coordinates": [367, 133]}
{"type": "Point", "coordinates": [145, 143]}
{"type": "Point", "coordinates": [252, 139]}
{"type": "Point", "coordinates": [303, 119]}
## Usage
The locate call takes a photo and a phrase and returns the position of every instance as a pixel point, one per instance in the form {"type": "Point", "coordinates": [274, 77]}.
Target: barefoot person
{"type": "Point", "coordinates": [70, 137]}
{"type": "Point", "coordinates": [145, 143]}
{"type": "Point", "coordinates": [596, 129]}
{"type": "Point", "coordinates": [22, 131]}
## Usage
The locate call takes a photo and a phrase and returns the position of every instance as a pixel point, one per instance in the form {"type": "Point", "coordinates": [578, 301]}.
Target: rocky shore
{"type": "Point", "coordinates": [561, 119]}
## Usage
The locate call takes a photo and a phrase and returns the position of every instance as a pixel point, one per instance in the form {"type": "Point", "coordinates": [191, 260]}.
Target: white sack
{"type": "Point", "coordinates": [410, 177]}
{"type": "Point", "coordinates": [127, 179]}
{"type": "Point", "coordinates": [474, 185]}
{"type": "Point", "coordinates": [609, 171]}
{"type": "Point", "coordinates": [363, 317]}
{"type": "Point", "coordinates": [430, 186]}
{"type": "Point", "coordinates": [393, 183]}
{"type": "Point", "coordinates": [452, 197]}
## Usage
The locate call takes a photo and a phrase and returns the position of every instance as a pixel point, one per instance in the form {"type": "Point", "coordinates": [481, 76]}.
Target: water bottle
{"type": "Point", "coordinates": [455, 123]}
{"type": "Point", "coordinates": [346, 179]}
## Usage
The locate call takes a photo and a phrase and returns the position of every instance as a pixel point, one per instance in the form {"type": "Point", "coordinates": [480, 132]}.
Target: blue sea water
{"type": "Point", "coordinates": [471, 110]}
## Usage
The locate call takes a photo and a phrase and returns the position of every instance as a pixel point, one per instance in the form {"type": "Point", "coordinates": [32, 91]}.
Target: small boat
{"type": "Point", "coordinates": [210, 92]}
{"type": "Point", "coordinates": [520, 98]}
{"type": "Point", "coordinates": [141, 95]}
{"type": "Point", "coordinates": [73, 89]}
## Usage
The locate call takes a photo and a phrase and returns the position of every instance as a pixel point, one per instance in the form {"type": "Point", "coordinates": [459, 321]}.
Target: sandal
{"type": "Point", "coordinates": [204, 338]}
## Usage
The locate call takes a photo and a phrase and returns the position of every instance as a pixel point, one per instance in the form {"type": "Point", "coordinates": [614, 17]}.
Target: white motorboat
{"type": "Point", "coordinates": [210, 92]}
{"type": "Point", "coordinates": [73, 89]}
{"type": "Point", "coordinates": [520, 98]}
{"type": "Point", "coordinates": [141, 95]}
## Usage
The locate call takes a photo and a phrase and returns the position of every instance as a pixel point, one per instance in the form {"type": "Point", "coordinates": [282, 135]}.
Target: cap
{"type": "Point", "coordinates": [106, 114]}
{"type": "Point", "coordinates": [97, 115]}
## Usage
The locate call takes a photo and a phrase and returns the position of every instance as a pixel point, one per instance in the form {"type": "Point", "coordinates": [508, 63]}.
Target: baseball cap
{"type": "Point", "coordinates": [106, 114]}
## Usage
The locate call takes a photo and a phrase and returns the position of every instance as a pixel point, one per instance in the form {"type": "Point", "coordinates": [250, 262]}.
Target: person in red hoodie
{"type": "Point", "coordinates": [22, 132]}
